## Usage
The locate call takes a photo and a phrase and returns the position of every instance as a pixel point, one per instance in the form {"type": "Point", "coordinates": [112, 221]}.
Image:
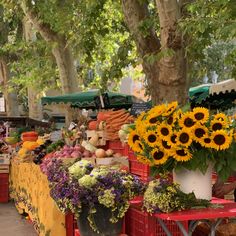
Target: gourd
{"type": "Point", "coordinates": [29, 145]}
{"type": "Point", "coordinates": [100, 153]}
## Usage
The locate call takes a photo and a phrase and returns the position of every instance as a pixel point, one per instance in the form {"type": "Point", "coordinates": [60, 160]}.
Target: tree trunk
{"type": "Point", "coordinates": [62, 53]}
{"type": "Point", "coordinates": [172, 74]}
{"type": "Point", "coordinates": [34, 104]}
{"type": "Point", "coordinates": [11, 105]}
{"type": "Point", "coordinates": [167, 77]}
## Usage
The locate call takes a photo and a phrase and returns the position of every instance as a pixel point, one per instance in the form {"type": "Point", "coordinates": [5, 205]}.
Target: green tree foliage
{"type": "Point", "coordinates": [210, 30]}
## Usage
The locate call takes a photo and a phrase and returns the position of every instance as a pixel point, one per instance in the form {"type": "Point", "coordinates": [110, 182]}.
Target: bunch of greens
{"type": "Point", "coordinates": [54, 146]}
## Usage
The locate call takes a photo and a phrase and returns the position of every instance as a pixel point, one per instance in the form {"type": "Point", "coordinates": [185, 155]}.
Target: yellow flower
{"type": "Point", "coordinates": [221, 140]}
{"type": "Point", "coordinates": [159, 156]}
{"type": "Point", "coordinates": [144, 160]}
{"type": "Point", "coordinates": [171, 107]}
{"type": "Point", "coordinates": [170, 120]}
{"type": "Point", "coordinates": [199, 131]}
{"type": "Point", "coordinates": [201, 114]}
{"type": "Point", "coordinates": [221, 117]}
{"type": "Point", "coordinates": [151, 138]}
{"type": "Point", "coordinates": [138, 147]}
{"type": "Point", "coordinates": [165, 146]}
{"type": "Point", "coordinates": [184, 137]}
{"type": "Point", "coordinates": [152, 119]}
{"type": "Point", "coordinates": [132, 138]}
{"type": "Point", "coordinates": [206, 141]}
{"type": "Point", "coordinates": [218, 124]}
{"type": "Point", "coordinates": [172, 139]}
{"type": "Point", "coordinates": [157, 110]}
{"type": "Point", "coordinates": [164, 131]}
{"type": "Point", "coordinates": [181, 154]}
{"type": "Point", "coordinates": [187, 120]}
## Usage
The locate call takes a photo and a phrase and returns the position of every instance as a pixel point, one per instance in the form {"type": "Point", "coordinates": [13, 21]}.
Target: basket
{"type": "Point", "coordinates": [101, 137]}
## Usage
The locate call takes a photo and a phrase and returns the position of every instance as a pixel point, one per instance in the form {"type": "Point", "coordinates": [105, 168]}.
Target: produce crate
{"type": "Point", "coordinates": [139, 223]}
{"type": "Point", "coordinates": [118, 146]}
{"type": "Point", "coordinates": [139, 169]}
{"type": "Point", "coordinates": [101, 136]}
{"type": "Point", "coordinates": [4, 187]}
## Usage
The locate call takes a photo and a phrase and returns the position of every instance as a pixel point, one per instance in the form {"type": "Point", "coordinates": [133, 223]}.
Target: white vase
{"type": "Point", "coordinates": [195, 181]}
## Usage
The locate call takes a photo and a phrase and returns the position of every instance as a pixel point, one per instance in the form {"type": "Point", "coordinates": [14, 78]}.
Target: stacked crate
{"type": "Point", "coordinates": [4, 176]}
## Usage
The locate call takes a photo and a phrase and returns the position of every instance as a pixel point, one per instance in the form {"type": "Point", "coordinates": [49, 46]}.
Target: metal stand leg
{"type": "Point", "coordinates": [182, 229]}
{"type": "Point", "coordinates": [168, 233]}
{"type": "Point", "coordinates": [214, 226]}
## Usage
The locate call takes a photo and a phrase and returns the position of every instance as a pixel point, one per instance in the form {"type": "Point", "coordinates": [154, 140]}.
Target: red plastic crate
{"type": "Point", "coordinates": [3, 178]}
{"type": "Point", "coordinates": [139, 169]}
{"type": "Point", "coordinates": [118, 147]}
{"type": "Point", "coordinates": [76, 232]}
{"type": "Point", "coordinates": [139, 223]}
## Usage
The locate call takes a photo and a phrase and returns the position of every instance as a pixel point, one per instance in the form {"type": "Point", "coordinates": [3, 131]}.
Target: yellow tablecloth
{"type": "Point", "coordinates": [29, 188]}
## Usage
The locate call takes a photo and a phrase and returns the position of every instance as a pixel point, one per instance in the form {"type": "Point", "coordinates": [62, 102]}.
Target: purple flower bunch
{"type": "Point", "coordinates": [107, 186]}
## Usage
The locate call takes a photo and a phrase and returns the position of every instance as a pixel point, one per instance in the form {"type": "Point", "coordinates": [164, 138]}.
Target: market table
{"type": "Point", "coordinates": [211, 216]}
{"type": "Point", "coordinates": [30, 191]}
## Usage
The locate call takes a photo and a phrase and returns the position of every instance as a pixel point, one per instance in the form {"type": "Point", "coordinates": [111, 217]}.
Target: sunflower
{"type": "Point", "coordinates": [164, 131]}
{"type": "Point", "coordinates": [187, 120]}
{"type": "Point", "coordinates": [201, 114]}
{"type": "Point", "coordinates": [165, 145]}
{"type": "Point", "coordinates": [184, 137]}
{"type": "Point", "coordinates": [181, 154]}
{"type": "Point", "coordinates": [221, 117]}
{"type": "Point", "coordinates": [151, 138]}
{"type": "Point", "coordinates": [138, 147]}
{"type": "Point", "coordinates": [206, 141]}
{"type": "Point", "coordinates": [171, 107]}
{"type": "Point", "coordinates": [170, 120]}
{"type": "Point", "coordinates": [221, 140]}
{"type": "Point", "coordinates": [144, 160]}
{"type": "Point", "coordinates": [218, 124]}
{"type": "Point", "coordinates": [133, 138]}
{"type": "Point", "coordinates": [157, 110]}
{"type": "Point", "coordinates": [159, 156]}
{"type": "Point", "coordinates": [172, 139]}
{"type": "Point", "coordinates": [152, 119]}
{"type": "Point", "coordinates": [199, 131]}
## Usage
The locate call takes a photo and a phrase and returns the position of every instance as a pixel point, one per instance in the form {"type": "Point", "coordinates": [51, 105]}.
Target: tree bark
{"type": "Point", "coordinates": [167, 77]}
{"type": "Point", "coordinates": [11, 102]}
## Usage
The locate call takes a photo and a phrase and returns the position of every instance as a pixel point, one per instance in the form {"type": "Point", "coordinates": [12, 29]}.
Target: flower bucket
{"type": "Point", "coordinates": [101, 220]}
{"type": "Point", "coordinates": [195, 181]}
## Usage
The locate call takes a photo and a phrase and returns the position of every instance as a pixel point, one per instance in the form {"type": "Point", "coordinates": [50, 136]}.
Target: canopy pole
{"type": "Point", "coordinates": [102, 102]}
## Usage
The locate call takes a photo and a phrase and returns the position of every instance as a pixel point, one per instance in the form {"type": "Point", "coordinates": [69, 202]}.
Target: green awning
{"type": "Point", "coordinates": [92, 99]}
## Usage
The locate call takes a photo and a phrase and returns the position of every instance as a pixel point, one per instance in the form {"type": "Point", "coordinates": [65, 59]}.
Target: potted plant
{"type": "Point", "coordinates": [169, 138]}
{"type": "Point", "coordinates": [98, 196]}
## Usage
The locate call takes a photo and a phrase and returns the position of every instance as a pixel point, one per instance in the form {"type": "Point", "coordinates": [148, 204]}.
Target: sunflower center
{"type": "Point", "coordinates": [153, 120]}
{"type": "Point", "coordinates": [188, 122]}
{"type": "Point", "coordinates": [173, 138]}
{"type": "Point", "coordinates": [158, 155]}
{"type": "Point", "coordinates": [199, 116]}
{"type": "Point", "coordinates": [170, 120]}
{"type": "Point", "coordinates": [199, 132]}
{"type": "Point", "coordinates": [135, 138]}
{"type": "Point", "coordinates": [181, 153]}
{"type": "Point", "coordinates": [164, 131]}
{"type": "Point", "coordinates": [165, 144]}
{"type": "Point", "coordinates": [207, 140]}
{"type": "Point", "coordinates": [217, 126]}
{"type": "Point", "coordinates": [219, 139]}
{"type": "Point", "coordinates": [184, 138]}
{"type": "Point", "coordinates": [152, 138]}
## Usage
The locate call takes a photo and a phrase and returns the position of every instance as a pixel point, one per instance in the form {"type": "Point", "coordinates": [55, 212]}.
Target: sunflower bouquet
{"type": "Point", "coordinates": [167, 138]}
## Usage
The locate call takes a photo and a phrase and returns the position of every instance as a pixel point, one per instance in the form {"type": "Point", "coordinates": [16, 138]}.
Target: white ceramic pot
{"type": "Point", "coordinates": [195, 181]}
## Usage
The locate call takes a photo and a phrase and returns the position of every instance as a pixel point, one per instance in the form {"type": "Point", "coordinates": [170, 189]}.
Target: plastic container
{"type": "Point", "coordinates": [118, 146]}
{"type": "Point", "coordinates": [139, 169]}
{"type": "Point", "coordinates": [4, 188]}
{"type": "Point", "coordinates": [139, 223]}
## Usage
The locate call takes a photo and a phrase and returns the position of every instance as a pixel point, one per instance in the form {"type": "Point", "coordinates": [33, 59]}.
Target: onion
{"type": "Point", "coordinates": [109, 152]}
{"type": "Point", "coordinates": [75, 154]}
{"type": "Point", "coordinates": [100, 153]}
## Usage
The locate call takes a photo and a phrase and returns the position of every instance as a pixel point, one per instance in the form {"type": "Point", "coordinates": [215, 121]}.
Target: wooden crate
{"type": "Point", "coordinates": [101, 136]}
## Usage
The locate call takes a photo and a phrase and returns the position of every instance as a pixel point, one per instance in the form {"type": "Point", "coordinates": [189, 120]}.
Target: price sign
{"type": "Point", "coordinates": [138, 108]}
{"type": "Point", "coordinates": [56, 135]}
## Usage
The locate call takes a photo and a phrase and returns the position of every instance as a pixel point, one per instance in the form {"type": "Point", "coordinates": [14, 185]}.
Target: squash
{"type": "Point", "coordinates": [93, 125]}
{"type": "Point", "coordinates": [29, 145]}
{"type": "Point", "coordinates": [29, 136]}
